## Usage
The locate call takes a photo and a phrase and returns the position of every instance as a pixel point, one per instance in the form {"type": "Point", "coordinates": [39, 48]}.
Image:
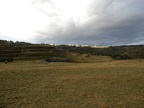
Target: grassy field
{"type": "Point", "coordinates": [113, 84]}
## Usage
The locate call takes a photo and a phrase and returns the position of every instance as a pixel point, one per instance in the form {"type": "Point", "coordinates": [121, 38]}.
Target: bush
{"type": "Point", "coordinates": [124, 55]}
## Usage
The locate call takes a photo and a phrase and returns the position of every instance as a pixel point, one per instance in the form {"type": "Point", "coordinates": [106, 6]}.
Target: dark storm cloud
{"type": "Point", "coordinates": [109, 22]}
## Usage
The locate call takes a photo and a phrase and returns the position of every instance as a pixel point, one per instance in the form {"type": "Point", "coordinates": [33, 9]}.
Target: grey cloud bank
{"type": "Point", "coordinates": [92, 22]}
{"type": "Point", "coordinates": [108, 22]}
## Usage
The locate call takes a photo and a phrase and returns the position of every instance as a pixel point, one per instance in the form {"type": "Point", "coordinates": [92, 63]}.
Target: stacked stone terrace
{"type": "Point", "coordinates": [40, 52]}
{"type": "Point", "coordinates": [9, 53]}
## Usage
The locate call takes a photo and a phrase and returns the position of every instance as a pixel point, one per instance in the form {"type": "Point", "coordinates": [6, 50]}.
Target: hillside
{"type": "Point", "coordinates": [21, 51]}
{"type": "Point", "coordinates": [116, 52]}
{"type": "Point", "coordinates": [37, 52]}
{"type": "Point", "coordinates": [26, 51]}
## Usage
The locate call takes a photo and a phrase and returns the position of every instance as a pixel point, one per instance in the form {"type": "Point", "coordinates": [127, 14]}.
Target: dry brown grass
{"type": "Point", "coordinates": [114, 84]}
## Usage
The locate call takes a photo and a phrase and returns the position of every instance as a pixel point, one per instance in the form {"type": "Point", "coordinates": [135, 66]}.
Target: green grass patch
{"type": "Point", "coordinates": [86, 58]}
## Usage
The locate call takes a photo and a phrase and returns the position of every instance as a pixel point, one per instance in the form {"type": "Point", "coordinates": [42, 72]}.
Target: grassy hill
{"type": "Point", "coordinates": [86, 58]}
{"type": "Point", "coordinates": [22, 51]}
{"type": "Point", "coordinates": [116, 52]}
{"type": "Point", "coordinates": [31, 52]}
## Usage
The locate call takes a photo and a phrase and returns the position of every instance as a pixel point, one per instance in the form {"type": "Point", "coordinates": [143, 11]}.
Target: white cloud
{"type": "Point", "coordinates": [19, 19]}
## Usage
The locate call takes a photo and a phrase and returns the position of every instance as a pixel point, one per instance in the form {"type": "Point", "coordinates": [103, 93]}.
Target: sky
{"type": "Point", "coordinates": [88, 22]}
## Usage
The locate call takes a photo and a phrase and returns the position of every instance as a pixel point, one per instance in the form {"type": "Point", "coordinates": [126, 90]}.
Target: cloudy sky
{"type": "Point", "coordinates": [91, 22]}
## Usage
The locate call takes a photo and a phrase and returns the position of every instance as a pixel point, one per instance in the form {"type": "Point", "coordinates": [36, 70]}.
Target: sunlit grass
{"type": "Point", "coordinates": [114, 84]}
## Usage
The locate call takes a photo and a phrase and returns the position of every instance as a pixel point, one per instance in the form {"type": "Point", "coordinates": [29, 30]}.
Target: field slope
{"type": "Point", "coordinates": [113, 84]}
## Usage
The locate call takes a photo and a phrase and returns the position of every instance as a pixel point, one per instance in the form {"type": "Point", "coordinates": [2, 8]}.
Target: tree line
{"type": "Point", "coordinates": [116, 52]}
{"type": "Point", "coordinates": [12, 43]}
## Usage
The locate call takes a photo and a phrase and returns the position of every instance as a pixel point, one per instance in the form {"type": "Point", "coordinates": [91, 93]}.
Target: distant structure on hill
{"type": "Point", "coordinates": [77, 45]}
{"type": "Point", "coordinates": [95, 46]}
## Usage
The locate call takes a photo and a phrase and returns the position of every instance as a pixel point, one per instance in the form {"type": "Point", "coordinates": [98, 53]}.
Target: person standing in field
{"type": "Point", "coordinates": [6, 62]}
